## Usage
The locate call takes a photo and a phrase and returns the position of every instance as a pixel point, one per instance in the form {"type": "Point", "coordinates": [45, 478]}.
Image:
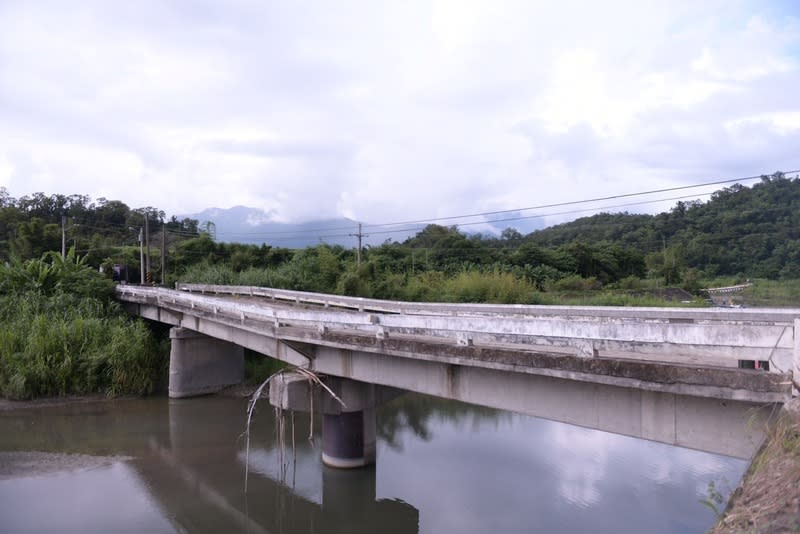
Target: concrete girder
{"type": "Point", "coordinates": [727, 427]}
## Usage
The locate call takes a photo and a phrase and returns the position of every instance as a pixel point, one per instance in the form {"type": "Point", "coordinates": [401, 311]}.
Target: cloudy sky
{"type": "Point", "coordinates": [385, 111]}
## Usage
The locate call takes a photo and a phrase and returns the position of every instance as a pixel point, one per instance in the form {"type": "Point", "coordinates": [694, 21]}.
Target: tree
{"type": "Point", "coordinates": [510, 234]}
{"type": "Point", "coordinates": [5, 198]}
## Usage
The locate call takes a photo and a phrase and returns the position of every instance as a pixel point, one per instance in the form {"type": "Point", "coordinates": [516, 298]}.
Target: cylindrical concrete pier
{"type": "Point", "coordinates": [348, 439]}
{"type": "Point", "coordinates": [348, 417]}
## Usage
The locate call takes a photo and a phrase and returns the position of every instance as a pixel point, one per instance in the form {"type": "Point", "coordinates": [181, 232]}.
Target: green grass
{"type": "Point", "coordinates": [772, 293]}
{"type": "Point", "coordinates": [258, 367]}
{"type": "Point", "coordinates": [617, 298]}
{"type": "Point", "coordinates": [56, 347]}
{"type": "Point", "coordinates": [493, 286]}
{"type": "Point", "coordinates": [61, 333]}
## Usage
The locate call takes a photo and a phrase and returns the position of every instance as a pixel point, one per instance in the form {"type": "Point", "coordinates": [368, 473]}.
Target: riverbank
{"type": "Point", "coordinates": [236, 391]}
{"type": "Point", "coordinates": [768, 500]}
{"type": "Point", "coordinates": [44, 402]}
{"type": "Point", "coordinates": [16, 464]}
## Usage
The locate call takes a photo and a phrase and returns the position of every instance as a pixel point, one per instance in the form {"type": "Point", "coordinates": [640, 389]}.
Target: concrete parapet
{"type": "Point", "coordinates": [199, 364]}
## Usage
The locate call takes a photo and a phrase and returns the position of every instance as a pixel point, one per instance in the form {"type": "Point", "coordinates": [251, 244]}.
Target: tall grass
{"type": "Point", "coordinates": [58, 348]}
{"type": "Point", "coordinates": [222, 274]}
{"type": "Point", "coordinates": [60, 333]}
{"type": "Point", "coordinates": [772, 293]}
{"type": "Point", "coordinates": [491, 286]}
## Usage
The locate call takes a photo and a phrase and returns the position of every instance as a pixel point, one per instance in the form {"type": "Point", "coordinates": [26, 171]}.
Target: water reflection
{"type": "Point", "coordinates": [514, 473]}
{"type": "Point", "coordinates": [417, 413]}
{"type": "Point", "coordinates": [103, 499]}
{"type": "Point", "coordinates": [178, 466]}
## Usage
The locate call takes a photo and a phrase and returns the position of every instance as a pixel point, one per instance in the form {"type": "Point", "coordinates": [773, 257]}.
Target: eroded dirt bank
{"type": "Point", "coordinates": [769, 498]}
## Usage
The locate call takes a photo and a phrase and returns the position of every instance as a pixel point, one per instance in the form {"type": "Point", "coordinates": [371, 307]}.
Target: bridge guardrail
{"type": "Point", "coordinates": [724, 336]}
{"type": "Point", "coordinates": [731, 315]}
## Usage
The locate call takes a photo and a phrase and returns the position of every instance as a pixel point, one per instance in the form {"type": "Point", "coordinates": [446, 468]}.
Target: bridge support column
{"type": "Point", "coordinates": [348, 432]}
{"type": "Point", "coordinates": [199, 365]}
{"type": "Point", "coordinates": [348, 437]}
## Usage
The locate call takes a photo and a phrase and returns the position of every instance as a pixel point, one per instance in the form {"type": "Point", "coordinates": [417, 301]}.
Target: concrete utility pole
{"type": "Point", "coordinates": [359, 235]}
{"type": "Point", "coordinates": [163, 254]}
{"type": "Point", "coordinates": [141, 254]}
{"type": "Point", "coordinates": [147, 240]}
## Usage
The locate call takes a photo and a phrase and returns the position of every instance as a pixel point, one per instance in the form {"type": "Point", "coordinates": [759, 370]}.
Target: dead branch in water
{"type": "Point", "coordinates": [280, 430]}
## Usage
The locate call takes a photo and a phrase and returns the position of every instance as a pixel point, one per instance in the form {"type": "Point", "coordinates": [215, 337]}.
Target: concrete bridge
{"type": "Point", "coordinates": [673, 375]}
{"type": "Point", "coordinates": [723, 296]}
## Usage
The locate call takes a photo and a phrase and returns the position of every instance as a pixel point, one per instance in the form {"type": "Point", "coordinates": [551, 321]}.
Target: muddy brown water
{"type": "Point", "coordinates": [160, 465]}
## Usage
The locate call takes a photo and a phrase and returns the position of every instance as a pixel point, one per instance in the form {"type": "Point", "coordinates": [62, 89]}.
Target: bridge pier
{"type": "Point", "coordinates": [348, 431]}
{"type": "Point", "coordinates": [199, 364]}
{"type": "Point", "coordinates": [348, 438]}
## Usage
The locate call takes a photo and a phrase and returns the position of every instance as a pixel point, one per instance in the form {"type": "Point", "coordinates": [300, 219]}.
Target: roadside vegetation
{"type": "Point", "coordinates": [62, 334]}
{"type": "Point", "coordinates": [772, 293]}
{"type": "Point", "coordinates": [768, 500]}
{"type": "Point", "coordinates": [741, 233]}
{"type": "Point", "coordinates": [437, 286]}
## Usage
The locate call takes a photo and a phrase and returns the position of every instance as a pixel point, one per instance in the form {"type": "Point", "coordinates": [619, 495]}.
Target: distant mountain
{"type": "Point", "coordinates": [241, 224]}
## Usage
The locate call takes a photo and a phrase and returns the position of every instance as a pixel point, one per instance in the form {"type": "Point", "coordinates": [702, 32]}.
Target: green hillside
{"type": "Point", "coordinates": [740, 232]}
{"type": "Point", "coordinates": [752, 231]}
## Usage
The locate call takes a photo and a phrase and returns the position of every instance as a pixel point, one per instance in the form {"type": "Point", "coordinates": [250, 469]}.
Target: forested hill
{"type": "Point", "coordinates": [749, 230]}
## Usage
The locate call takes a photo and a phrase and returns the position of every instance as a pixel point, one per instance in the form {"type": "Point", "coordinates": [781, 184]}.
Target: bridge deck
{"type": "Point", "coordinates": [680, 350]}
{"type": "Point", "coordinates": [653, 373]}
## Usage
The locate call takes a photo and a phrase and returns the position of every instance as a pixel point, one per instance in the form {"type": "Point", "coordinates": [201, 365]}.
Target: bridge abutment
{"type": "Point", "coordinates": [199, 364]}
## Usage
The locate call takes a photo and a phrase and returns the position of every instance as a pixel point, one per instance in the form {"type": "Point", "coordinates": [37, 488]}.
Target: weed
{"type": "Point", "coordinates": [714, 500]}
{"type": "Point", "coordinates": [60, 333]}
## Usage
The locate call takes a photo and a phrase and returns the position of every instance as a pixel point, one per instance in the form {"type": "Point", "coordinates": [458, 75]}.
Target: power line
{"type": "Point", "coordinates": [508, 219]}
{"type": "Point", "coordinates": [515, 210]}
{"type": "Point", "coordinates": [288, 235]}
{"type": "Point", "coordinates": [359, 235]}
{"type": "Point", "coordinates": [574, 202]}
{"type": "Point", "coordinates": [538, 216]}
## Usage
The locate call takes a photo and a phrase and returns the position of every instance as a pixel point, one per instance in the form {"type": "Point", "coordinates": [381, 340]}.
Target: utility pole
{"type": "Point", "coordinates": [63, 237]}
{"type": "Point", "coordinates": [141, 254]}
{"type": "Point", "coordinates": [163, 254]}
{"type": "Point", "coordinates": [359, 235]}
{"type": "Point", "coordinates": [147, 242]}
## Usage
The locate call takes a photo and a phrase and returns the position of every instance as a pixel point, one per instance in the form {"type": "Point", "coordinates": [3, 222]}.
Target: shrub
{"type": "Point", "coordinates": [61, 333]}
{"type": "Point", "coordinates": [495, 287]}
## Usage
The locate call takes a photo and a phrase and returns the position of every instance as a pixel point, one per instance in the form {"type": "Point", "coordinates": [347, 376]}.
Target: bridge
{"type": "Point", "coordinates": [689, 377]}
{"type": "Point", "coordinates": [722, 296]}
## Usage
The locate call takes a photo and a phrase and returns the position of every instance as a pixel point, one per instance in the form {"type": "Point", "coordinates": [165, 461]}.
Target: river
{"type": "Point", "coordinates": [160, 465]}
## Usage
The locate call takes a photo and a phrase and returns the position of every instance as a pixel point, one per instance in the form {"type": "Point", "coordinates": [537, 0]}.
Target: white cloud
{"type": "Point", "coordinates": [391, 111]}
{"type": "Point", "coordinates": [6, 171]}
